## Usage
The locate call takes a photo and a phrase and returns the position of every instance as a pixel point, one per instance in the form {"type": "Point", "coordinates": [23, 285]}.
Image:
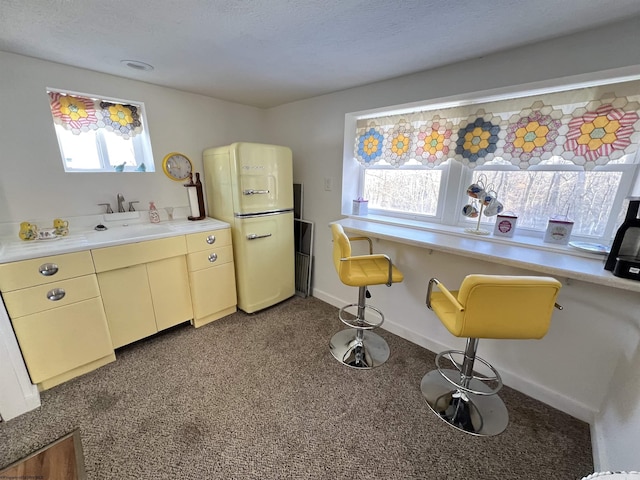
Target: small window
{"type": "Point", "coordinates": [408, 191]}
{"type": "Point", "coordinates": [100, 134]}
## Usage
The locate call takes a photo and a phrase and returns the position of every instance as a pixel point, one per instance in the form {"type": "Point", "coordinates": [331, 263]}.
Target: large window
{"type": "Point", "coordinates": [100, 135]}
{"type": "Point", "coordinates": [586, 197]}
{"type": "Point", "coordinates": [569, 153]}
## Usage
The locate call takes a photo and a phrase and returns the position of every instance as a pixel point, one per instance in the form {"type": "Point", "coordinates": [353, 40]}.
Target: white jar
{"type": "Point", "coordinates": [505, 225]}
{"type": "Point", "coordinates": [558, 231]}
{"type": "Point", "coordinates": [360, 207]}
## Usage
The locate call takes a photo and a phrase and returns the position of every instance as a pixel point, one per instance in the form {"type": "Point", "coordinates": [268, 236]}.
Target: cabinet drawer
{"type": "Point", "coordinates": [206, 240]}
{"type": "Point", "coordinates": [112, 258]}
{"type": "Point", "coordinates": [209, 258]}
{"type": "Point", "coordinates": [27, 273]}
{"type": "Point", "coordinates": [36, 299]}
{"type": "Point", "coordinates": [57, 341]}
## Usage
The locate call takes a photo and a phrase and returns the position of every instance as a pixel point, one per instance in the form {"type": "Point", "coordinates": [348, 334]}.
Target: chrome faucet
{"type": "Point", "coordinates": [120, 203]}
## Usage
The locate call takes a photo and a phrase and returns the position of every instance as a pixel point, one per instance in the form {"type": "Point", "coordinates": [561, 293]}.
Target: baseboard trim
{"type": "Point", "coordinates": [534, 390]}
{"type": "Point", "coordinates": [26, 403]}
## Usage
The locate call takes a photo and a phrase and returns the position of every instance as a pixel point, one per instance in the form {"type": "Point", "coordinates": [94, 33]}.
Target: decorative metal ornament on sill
{"type": "Point", "coordinates": [484, 200]}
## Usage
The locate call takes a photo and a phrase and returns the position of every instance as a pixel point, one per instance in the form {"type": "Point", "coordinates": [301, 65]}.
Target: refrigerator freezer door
{"type": "Point", "coordinates": [264, 258]}
{"type": "Point", "coordinates": [264, 176]}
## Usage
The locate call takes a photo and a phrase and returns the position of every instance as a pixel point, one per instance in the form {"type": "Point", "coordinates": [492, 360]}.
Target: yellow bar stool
{"type": "Point", "coordinates": [358, 346]}
{"type": "Point", "coordinates": [485, 306]}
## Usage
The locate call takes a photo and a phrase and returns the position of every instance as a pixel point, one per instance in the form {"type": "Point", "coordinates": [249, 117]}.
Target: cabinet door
{"type": "Point", "coordinates": [127, 303]}
{"type": "Point", "coordinates": [169, 283]}
{"type": "Point", "coordinates": [213, 290]}
{"type": "Point", "coordinates": [61, 339]}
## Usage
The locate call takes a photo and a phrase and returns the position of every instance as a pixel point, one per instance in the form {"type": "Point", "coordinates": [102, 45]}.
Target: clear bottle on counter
{"type": "Point", "coordinates": [154, 216]}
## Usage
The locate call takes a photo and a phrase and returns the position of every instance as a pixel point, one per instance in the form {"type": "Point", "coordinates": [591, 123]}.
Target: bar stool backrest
{"type": "Point", "coordinates": [502, 306]}
{"type": "Point", "coordinates": [341, 245]}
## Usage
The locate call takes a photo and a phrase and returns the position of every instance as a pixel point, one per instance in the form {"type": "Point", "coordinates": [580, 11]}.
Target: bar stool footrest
{"type": "Point", "coordinates": [483, 384]}
{"type": "Point", "coordinates": [360, 323]}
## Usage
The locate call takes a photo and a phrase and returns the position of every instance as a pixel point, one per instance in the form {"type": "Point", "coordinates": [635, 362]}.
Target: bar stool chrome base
{"type": "Point", "coordinates": [369, 351]}
{"type": "Point", "coordinates": [481, 415]}
{"type": "Point", "coordinates": [359, 347]}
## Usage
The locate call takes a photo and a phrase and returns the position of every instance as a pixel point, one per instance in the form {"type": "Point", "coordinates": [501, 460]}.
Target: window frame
{"type": "Point", "coordinates": [438, 217]}
{"type": "Point", "coordinates": [141, 143]}
{"type": "Point", "coordinates": [458, 176]}
{"type": "Point", "coordinates": [629, 172]}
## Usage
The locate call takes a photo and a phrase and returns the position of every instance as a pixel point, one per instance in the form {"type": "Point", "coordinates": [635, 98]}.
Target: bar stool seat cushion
{"type": "Point", "coordinates": [471, 311]}
{"type": "Point", "coordinates": [367, 270]}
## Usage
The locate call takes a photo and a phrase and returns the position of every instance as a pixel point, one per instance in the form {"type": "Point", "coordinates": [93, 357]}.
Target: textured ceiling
{"type": "Point", "coordinates": [269, 52]}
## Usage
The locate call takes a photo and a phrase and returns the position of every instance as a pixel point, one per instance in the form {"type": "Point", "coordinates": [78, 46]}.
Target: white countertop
{"type": "Point", "coordinates": [563, 263]}
{"type": "Point", "coordinates": [122, 229]}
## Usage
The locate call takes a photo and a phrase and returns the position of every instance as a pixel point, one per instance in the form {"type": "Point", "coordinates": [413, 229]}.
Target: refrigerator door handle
{"type": "Point", "coordinates": [255, 236]}
{"type": "Point", "coordinates": [251, 191]}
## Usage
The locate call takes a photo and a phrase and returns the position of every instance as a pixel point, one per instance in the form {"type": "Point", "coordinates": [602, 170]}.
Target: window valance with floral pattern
{"type": "Point", "coordinates": [81, 114]}
{"type": "Point", "coordinates": [587, 127]}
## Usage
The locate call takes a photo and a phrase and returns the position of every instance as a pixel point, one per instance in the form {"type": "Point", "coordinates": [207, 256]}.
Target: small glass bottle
{"type": "Point", "coordinates": [154, 216]}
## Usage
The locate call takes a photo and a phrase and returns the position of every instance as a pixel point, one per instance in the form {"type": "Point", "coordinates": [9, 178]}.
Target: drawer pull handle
{"type": "Point", "coordinates": [211, 239]}
{"type": "Point", "coordinates": [56, 294]}
{"type": "Point", "coordinates": [48, 269]}
{"type": "Point", "coordinates": [254, 236]}
{"type": "Point", "coordinates": [251, 191]}
{"type": "Point", "coordinates": [213, 257]}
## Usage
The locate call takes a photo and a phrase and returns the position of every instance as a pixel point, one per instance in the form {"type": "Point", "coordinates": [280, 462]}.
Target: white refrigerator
{"type": "Point", "coordinates": [250, 186]}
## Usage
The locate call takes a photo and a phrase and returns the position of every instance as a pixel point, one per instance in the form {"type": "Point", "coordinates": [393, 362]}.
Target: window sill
{"type": "Point", "coordinates": [522, 252]}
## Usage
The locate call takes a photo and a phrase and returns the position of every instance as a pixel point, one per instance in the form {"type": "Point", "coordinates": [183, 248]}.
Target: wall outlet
{"type": "Point", "coordinates": [328, 183]}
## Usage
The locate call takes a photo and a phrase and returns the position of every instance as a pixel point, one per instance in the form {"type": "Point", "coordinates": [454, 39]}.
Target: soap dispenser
{"type": "Point", "coordinates": [154, 216]}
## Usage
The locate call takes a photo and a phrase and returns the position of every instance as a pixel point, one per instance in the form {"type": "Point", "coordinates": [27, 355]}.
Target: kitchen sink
{"type": "Point", "coordinates": [128, 232]}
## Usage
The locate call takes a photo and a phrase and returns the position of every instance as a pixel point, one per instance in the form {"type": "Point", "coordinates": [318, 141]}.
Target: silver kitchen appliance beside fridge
{"type": "Point", "coordinates": [250, 186]}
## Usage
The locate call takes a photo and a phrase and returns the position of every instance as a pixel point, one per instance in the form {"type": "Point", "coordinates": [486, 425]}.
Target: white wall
{"type": "Point", "coordinates": [33, 183]}
{"type": "Point", "coordinates": [617, 427]}
{"type": "Point", "coordinates": [578, 366]}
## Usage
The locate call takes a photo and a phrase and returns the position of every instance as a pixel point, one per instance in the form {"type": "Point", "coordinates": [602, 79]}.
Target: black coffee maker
{"type": "Point", "coordinates": [624, 258]}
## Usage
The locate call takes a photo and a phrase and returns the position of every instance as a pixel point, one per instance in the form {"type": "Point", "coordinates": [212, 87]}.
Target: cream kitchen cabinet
{"type": "Point", "coordinates": [57, 315]}
{"type": "Point", "coordinates": [211, 275]}
{"type": "Point", "coordinates": [144, 286]}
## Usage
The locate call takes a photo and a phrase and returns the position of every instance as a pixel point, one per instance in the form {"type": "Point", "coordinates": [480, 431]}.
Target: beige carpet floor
{"type": "Point", "coordinates": [260, 397]}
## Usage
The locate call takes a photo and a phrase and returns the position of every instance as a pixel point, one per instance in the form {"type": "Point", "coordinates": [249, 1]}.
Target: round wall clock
{"type": "Point", "coordinates": [177, 166]}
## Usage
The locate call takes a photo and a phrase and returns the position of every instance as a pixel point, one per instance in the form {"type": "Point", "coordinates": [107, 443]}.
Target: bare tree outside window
{"type": "Point", "coordinates": [407, 191]}
{"type": "Point", "coordinates": [535, 196]}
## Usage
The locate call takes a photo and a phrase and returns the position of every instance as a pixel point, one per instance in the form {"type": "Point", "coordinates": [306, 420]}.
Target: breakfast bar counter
{"type": "Point", "coordinates": [550, 260]}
